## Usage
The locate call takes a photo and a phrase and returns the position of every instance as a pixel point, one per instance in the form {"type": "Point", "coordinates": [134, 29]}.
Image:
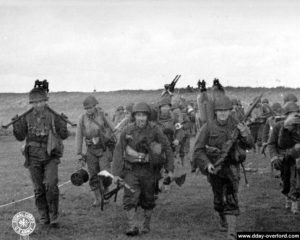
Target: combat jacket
{"type": "Point", "coordinates": [118, 117]}
{"type": "Point", "coordinates": [167, 125]}
{"type": "Point", "coordinates": [35, 126]}
{"type": "Point", "coordinates": [269, 126]}
{"type": "Point", "coordinates": [287, 140]}
{"type": "Point", "coordinates": [274, 148]}
{"type": "Point", "coordinates": [132, 136]}
{"type": "Point", "coordinates": [88, 129]}
{"type": "Point", "coordinates": [209, 144]}
{"type": "Point", "coordinates": [38, 129]}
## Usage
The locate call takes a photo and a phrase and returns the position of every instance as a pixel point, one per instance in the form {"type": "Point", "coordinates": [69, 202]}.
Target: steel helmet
{"type": "Point", "coordinates": [289, 97]}
{"type": "Point", "coordinates": [141, 107]}
{"type": "Point", "coordinates": [276, 107]}
{"type": "Point", "coordinates": [265, 100]}
{"type": "Point", "coordinates": [165, 101]}
{"type": "Point", "coordinates": [89, 102]}
{"type": "Point", "coordinates": [223, 103]}
{"type": "Point", "coordinates": [37, 94]}
{"type": "Point", "coordinates": [290, 107]}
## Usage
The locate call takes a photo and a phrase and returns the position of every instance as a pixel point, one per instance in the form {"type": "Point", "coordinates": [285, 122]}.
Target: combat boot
{"type": "Point", "coordinates": [147, 220]}
{"type": "Point", "coordinates": [44, 216]}
{"type": "Point", "coordinates": [53, 213]}
{"type": "Point", "coordinates": [223, 223]}
{"type": "Point", "coordinates": [295, 207]}
{"type": "Point", "coordinates": [231, 231]}
{"type": "Point", "coordinates": [132, 230]}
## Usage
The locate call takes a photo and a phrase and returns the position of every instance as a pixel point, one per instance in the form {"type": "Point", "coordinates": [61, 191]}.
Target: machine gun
{"type": "Point", "coordinates": [170, 88]}
{"type": "Point", "coordinates": [229, 144]}
{"type": "Point", "coordinates": [172, 85]}
{"type": "Point", "coordinates": [114, 192]}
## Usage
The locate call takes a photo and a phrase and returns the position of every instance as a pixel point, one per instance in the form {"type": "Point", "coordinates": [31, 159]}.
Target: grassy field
{"type": "Point", "coordinates": [183, 213]}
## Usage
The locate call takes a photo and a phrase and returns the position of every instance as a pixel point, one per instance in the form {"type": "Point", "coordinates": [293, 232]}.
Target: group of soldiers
{"type": "Point", "coordinates": [142, 141]}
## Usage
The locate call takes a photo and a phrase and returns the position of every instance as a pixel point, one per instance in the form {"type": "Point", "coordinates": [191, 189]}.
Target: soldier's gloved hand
{"type": "Point", "coordinates": [291, 121]}
{"type": "Point", "coordinates": [244, 130]}
{"type": "Point", "coordinates": [211, 168]}
{"type": "Point", "coordinates": [277, 161]}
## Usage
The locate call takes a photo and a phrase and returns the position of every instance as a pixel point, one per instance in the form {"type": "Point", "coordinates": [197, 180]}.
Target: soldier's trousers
{"type": "Point", "coordinates": [285, 174]}
{"type": "Point", "coordinates": [97, 160]}
{"type": "Point", "coordinates": [225, 195]}
{"type": "Point", "coordinates": [294, 193]}
{"type": "Point", "coordinates": [257, 133]}
{"type": "Point", "coordinates": [44, 175]}
{"type": "Point", "coordinates": [141, 178]}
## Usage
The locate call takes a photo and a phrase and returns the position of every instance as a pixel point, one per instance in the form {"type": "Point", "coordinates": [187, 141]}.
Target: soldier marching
{"type": "Point", "coordinates": [149, 138]}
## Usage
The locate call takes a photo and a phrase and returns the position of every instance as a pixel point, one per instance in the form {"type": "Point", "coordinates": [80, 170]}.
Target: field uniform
{"type": "Point", "coordinates": [283, 155]}
{"type": "Point", "coordinates": [237, 111]}
{"type": "Point", "coordinates": [290, 139]}
{"type": "Point", "coordinates": [42, 162]}
{"type": "Point", "coordinates": [276, 151]}
{"type": "Point", "coordinates": [225, 183]}
{"type": "Point", "coordinates": [182, 134]}
{"type": "Point", "coordinates": [95, 130]}
{"type": "Point", "coordinates": [140, 175]}
{"type": "Point", "coordinates": [256, 125]}
{"type": "Point", "coordinates": [119, 115]}
{"type": "Point", "coordinates": [96, 155]}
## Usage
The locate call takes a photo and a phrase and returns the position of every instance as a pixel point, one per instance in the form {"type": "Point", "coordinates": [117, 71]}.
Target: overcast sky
{"type": "Point", "coordinates": [79, 45]}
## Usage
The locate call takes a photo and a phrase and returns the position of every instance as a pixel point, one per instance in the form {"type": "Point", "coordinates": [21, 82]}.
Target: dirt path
{"type": "Point", "coordinates": [183, 213]}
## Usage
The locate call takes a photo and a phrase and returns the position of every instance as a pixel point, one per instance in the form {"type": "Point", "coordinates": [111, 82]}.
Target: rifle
{"type": "Point", "coordinates": [114, 192]}
{"type": "Point", "coordinates": [229, 144]}
{"type": "Point", "coordinates": [111, 128]}
{"type": "Point", "coordinates": [17, 119]}
{"type": "Point", "coordinates": [63, 117]}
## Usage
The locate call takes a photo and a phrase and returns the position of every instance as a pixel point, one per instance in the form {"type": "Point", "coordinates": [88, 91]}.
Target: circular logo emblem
{"type": "Point", "coordinates": [23, 223]}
